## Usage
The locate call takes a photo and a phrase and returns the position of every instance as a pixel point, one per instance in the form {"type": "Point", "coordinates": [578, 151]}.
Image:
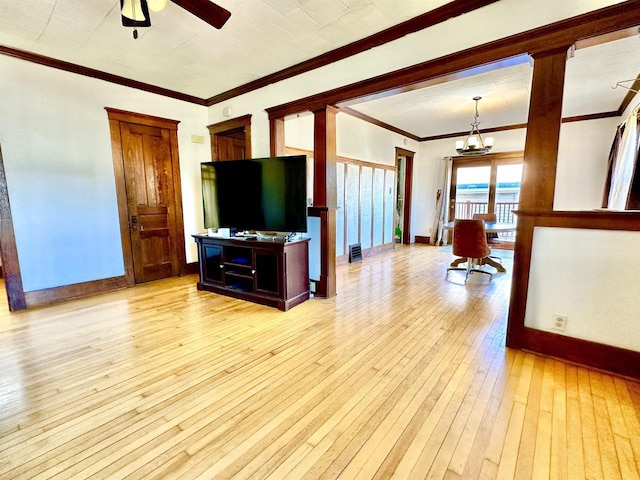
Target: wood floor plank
{"type": "Point", "coordinates": [592, 456]}
{"type": "Point", "coordinates": [401, 375]}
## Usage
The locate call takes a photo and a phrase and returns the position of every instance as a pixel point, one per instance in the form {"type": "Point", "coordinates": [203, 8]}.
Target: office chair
{"type": "Point", "coordinates": [488, 217]}
{"type": "Point", "coordinates": [470, 241]}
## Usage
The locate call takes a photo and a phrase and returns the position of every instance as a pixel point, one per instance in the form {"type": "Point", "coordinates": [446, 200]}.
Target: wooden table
{"type": "Point", "coordinates": [489, 227]}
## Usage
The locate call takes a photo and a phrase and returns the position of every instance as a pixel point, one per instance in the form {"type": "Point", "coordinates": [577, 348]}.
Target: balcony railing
{"type": "Point", "coordinates": [503, 210]}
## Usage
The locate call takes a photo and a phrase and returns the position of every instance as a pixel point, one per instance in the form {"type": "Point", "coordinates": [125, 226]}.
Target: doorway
{"type": "Point", "coordinates": [402, 214]}
{"type": "Point", "coordinates": [231, 139]}
{"type": "Point", "coordinates": [147, 170]}
{"type": "Point", "coordinates": [487, 184]}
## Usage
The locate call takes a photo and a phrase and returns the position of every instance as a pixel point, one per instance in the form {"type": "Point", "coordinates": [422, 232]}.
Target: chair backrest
{"type": "Point", "coordinates": [470, 239]}
{"type": "Point", "coordinates": [487, 217]}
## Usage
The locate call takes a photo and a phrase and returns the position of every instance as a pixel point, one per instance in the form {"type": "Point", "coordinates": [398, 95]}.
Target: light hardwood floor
{"type": "Point", "coordinates": [401, 375]}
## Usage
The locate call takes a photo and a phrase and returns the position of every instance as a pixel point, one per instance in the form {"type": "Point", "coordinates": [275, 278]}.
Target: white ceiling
{"type": "Point", "coordinates": [590, 77]}
{"type": "Point", "coordinates": [182, 53]}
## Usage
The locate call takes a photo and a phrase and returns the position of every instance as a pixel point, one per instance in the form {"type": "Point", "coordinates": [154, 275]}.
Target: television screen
{"type": "Point", "coordinates": [262, 194]}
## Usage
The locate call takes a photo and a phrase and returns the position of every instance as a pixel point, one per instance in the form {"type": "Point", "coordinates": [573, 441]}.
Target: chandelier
{"type": "Point", "coordinates": [474, 144]}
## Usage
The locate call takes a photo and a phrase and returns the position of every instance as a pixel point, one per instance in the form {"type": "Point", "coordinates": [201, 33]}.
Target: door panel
{"type": "Point", "coordinates": [150, 198]}
{"type": "Point", "coordinates": [231, 145]}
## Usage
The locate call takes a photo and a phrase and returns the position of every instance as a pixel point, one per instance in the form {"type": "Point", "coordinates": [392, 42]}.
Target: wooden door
{"type": "Point", "coordinates": [231, 139]}
{"type": "Point", "coordinates": [231, 145]}
{"type": "Point", "coordinates": [150, 201]}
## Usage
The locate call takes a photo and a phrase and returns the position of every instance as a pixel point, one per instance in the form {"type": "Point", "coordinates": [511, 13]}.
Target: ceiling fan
{"type": "Point", "coordinates": [135, 13]}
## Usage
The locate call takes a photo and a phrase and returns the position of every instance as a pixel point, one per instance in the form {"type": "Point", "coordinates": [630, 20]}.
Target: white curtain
{"type": "Point", "coordinates": [442, 212]}
{"type": "Point", "coordinates": [624, 165]}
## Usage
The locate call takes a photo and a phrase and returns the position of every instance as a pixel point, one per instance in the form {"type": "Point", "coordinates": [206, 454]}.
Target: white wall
{"type": "Point", "coordinates": [56, 146]}
{"type": "Point", "coordinates": [583, 154]}
{"type": "Point", "coordinates": [412, 49]}
{"type": "Point", "coordinates": [591, 276]}
{"type": "Point", "coordinates": [581, 171]}
{"type": "Point", "coordinates": [428, 174]}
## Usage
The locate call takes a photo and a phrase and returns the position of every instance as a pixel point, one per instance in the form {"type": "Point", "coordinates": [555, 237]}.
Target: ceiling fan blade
{"type": "Point", "coordinates": [211, 13]}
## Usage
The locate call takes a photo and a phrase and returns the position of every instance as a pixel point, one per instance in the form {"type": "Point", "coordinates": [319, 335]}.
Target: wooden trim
{"type": "Point", "coordinates": [596, 219]}
{"type": "Point", "coordinates": [180, 247]}
{"type": "Point", "coordinates": [47, 296]}
{"type": "Point", "coordinates": [192, 268]}
{"type": "Point", "coordinates": [606, 38]}
{"type": "Point", "coordinates": [8, 248]}
{"type": "Point", "coordinates": [325, 156]}
{"type": "Point", "coordinates": [504, 128]}
{"type": "Point", "coordinates": [319, 211]}
{"type": "Point", "coordinates": [365, 163]}
{"type": "Point", "coordinates": [426, 20]}
{"type": "Point", "coordinates": [538, 178]}
{"type": "Point", "coordinates": [231, 124]}
{"type": "Point", "coordinates": [368, 252]}
{"type": "Point", "coordinates": [541, 39]}
{"type": "Point", "coordinates": [466, 132]}
{"type": "Point", "coordinates": [340, 159]}
{"type": "Point", "coordinates": [604, 357]}
{"type": "Point", "coordinates": [492, 160]}
{"type": "Point", "coordinates": [276, 137]}
{"type": "Point", "coordinates": [408, 192]}
{"type": "Point", "coordinates": [225, 126]}
{"type": "Point", "coordinates": [142, 119]}
{"type": "Point", "coordinates": [97, 74]}
{"type": "Point", "coordinates": [499, 158]}
{"type": "Point", "coordinates": [325, 194]}
{"type": "Point", "coordinates": [378, 123]}
{"type": "Point", "coordinates": [421, 239]}
{"type": "Point", "coordinates": [543, 131]}
{"type": "Point", "coordinates": [121, 199]}
{"type": "Point", "coordinates": [592, 116]}
{"type": "Point", "coordinates": [115, 117]}
{"type": "Point", "coordinates": [614, 359]}
{"type": "Point", "coordinates": [441, 79]}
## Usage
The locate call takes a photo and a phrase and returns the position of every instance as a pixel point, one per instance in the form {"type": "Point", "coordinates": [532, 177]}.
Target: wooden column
{"type": "Point", "coordinates": [277, 136]}
{"type": "Point", "coordinates": [325, 195]}
{"type": "Point", "coordinates": [538, 176]}
{"type": "Point", "coordinates": [543, 131]}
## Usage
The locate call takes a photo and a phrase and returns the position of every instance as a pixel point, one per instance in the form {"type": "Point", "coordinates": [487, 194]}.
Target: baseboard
{"type": "Point", "coordinates": [421, 239]}
{"type": "Point", "coordinates": [47, 296]}
{"type": "Point", "coordinates": [192, 268]}
{"type": "Point", "coordinates": [343, 259]}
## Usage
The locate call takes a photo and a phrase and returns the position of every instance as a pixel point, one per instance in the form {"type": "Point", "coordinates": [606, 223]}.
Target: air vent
{"type": "Point", "coordinates": [355, 253]}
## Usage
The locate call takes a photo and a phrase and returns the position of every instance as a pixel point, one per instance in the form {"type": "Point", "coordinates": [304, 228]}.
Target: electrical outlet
{"type": "Point", "coordinates": [559, 322]}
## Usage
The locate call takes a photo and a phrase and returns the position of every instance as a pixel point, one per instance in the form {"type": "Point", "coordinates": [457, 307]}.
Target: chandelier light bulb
{"type": "Point", "coordinates": [156, 5]}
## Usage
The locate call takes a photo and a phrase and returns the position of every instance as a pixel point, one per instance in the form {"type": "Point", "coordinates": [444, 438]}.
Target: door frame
{"type": "Point", "coordinates": [115, 117]}
{"type": "Point", "coordinates": [408, 188]}
{"type": "Point", "coordinates": [217, 129]}
{"type": "Point", "coordinates": [491, 160]}
{"type": "Point", "coordinates": [16, 298]}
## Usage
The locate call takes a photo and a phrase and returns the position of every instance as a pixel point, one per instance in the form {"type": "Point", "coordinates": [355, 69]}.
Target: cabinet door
{"type": "Point", "coordinates": [211, 263]}
{"type": "Point", "coordinates": [268, 272]}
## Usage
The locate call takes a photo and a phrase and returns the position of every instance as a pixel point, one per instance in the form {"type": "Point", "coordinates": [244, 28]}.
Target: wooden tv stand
{"type": "Point", "coordinates": [266, 271]}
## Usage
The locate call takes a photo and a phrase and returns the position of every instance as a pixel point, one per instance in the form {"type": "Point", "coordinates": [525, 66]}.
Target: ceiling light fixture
{"type": "Point", "coordinates": [135, 13]}
{"type": "Point", "coordinates": [474, 144]}
{"type": "Point", "coordinates": [157, 5]}
{"type": "Point", "coordinates": [132, 9]}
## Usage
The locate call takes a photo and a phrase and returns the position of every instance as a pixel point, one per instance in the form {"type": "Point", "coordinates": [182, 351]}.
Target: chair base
{"type": "Point", "coordinates": [469, 269]}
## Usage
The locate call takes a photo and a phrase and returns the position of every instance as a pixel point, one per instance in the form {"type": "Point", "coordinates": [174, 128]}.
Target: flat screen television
{"type": "Point", "coordinates": [258, 194]}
